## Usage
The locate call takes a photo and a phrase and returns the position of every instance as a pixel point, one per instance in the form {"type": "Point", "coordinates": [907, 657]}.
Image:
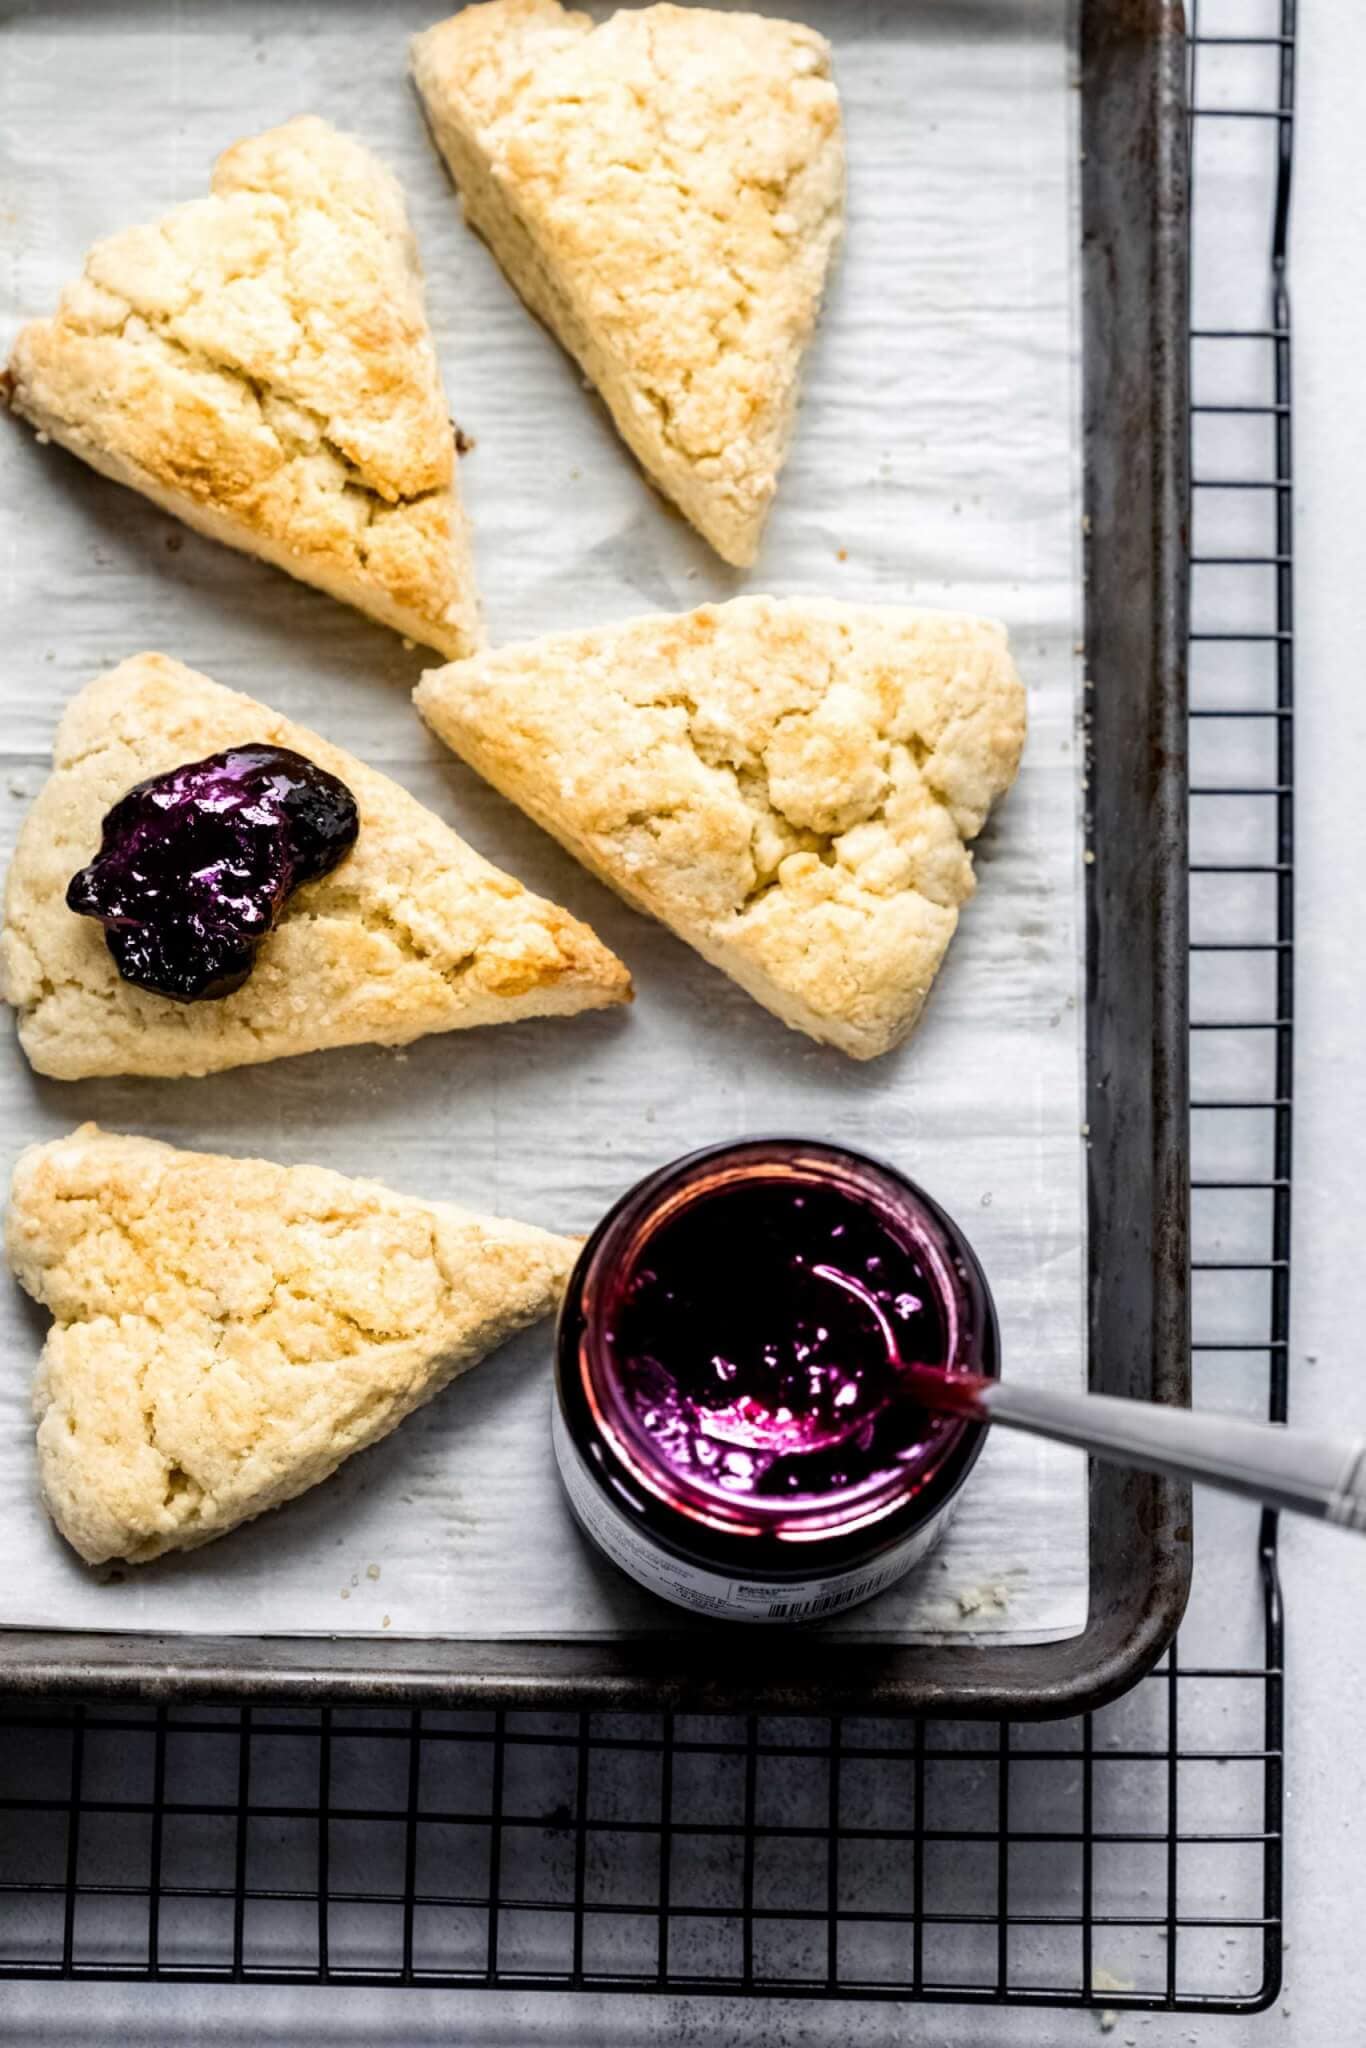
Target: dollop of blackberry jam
{"type": "Point", "coordinates": [195, 866]}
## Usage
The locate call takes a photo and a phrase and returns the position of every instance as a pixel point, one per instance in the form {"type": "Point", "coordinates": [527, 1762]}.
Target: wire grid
{"type": "Point", "coordinates": [1125, 1859]}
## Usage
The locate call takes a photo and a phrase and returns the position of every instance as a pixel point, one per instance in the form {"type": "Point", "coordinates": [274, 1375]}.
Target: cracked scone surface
{"type": "Point", "coordinates": [227, 1331]}
{"type": "Point", "coordinates": [789, 784]}
{"type": "Point", "coordinates": [666, 192]}
{"type": "Point", "coordinates": [414, 932]}
{"type": "Point", "coordinates": [259, 363]}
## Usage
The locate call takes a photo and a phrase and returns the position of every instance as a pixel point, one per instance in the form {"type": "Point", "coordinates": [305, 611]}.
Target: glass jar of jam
{"type": "Point", "coordinates": [732, 1420]}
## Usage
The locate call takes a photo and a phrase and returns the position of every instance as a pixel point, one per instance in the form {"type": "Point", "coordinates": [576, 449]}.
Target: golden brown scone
{"type": "Point", "coordinates": [665, 192]}
{"type": "Point", "coordinates": [259, 363]}
{"type": "Point", "coordinates": [226, 1331]}
{"type": "Point", "coordinates": [787, 783]}
{"type": "Point", "coordinates": [413, 932]}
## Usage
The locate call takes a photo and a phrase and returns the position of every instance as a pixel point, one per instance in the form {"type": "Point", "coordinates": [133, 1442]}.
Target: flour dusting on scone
{"type": "Point", "coordinates": [260, 364]}
{"type": "Point", "coordinates": [413, 932]}
{"type": "Point", "coordinates": [789, 784]}
{"type": "Point", "coordinates": [666, 192]}
{"type": "Point", "coordinates": [226, 1331]}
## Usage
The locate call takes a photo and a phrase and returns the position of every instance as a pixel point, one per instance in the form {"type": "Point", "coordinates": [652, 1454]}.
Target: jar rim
{"type": "Point", "coordinates": [963, 1298]}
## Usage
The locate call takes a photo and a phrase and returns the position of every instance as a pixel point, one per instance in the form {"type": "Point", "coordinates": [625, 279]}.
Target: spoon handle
{"type": "Point", "coordinates": [1283, 1467]}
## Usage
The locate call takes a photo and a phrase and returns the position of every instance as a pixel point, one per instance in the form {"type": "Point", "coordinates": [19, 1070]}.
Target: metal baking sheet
{"type": "Point", "coordinates": [938, 458]}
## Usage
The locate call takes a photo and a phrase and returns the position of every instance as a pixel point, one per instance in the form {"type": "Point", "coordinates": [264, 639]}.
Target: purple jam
{"type": "Point", "coordinates": [195, 867]}
{"type": "Point", "coordinates": [760, 1336]}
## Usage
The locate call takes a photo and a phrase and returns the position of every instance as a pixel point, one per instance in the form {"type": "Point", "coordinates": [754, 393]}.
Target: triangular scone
{"type": "Point", "coordinates": [228, 1331]}
{"type": "Point", "coordinates": [789, 784]}
{"type": "Point", "coordinates": [413, 932]}
{"type": "Point", "coordinates": [665, 192]}
{"type": "Point", "coordinates": [260, 364]}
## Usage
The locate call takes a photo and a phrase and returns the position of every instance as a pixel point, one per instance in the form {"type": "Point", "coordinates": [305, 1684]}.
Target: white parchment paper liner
{"type": "Point", "coordinates": [936, 461]}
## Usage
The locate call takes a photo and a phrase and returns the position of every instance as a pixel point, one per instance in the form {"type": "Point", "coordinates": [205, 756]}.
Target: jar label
{"type": "Point", "coordinates": [708, 1592]}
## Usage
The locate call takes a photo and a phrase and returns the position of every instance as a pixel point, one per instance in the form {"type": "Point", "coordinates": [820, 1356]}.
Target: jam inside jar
{"type": "Point", "coordinates": [734, 1422]}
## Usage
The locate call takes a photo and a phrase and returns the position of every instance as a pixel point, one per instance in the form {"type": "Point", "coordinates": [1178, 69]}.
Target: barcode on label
{"type": "Point", "coordinates": [824, 1603]}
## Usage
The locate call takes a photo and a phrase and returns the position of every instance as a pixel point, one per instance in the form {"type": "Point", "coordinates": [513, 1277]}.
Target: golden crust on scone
{"type": "Point", "coordinates": [227, 1331]}
{"type": "Point", "coordinates": [788, 784]}
{"type": "Point", "coordinates": [259, 363]}
{"type": "Point", "coordinates": [666, 192]}
{"type": "Point", "coordinates": [414, 932]}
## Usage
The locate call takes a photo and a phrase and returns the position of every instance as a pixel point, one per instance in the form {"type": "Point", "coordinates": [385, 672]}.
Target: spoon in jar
{"type": "Point", "coordinates": [1300, 1469]}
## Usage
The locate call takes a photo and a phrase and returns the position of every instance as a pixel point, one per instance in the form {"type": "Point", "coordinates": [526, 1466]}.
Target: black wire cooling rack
{"type": "Point", "coordinates": [1129, 1859]}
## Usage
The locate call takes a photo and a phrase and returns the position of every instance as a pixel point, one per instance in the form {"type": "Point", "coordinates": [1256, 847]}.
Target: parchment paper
{"type": "Point", "coordinates": [936, 461]}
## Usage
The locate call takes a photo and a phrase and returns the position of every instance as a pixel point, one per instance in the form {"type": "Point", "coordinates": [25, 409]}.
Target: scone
{"type": "Point", "coordinates": [414, 932]}
{"type": "Point", "coordinates": [259, 363]}
{"type": "Point", "coordinates": [666, 192]}
{"type": "Point", "coordinates": [789, 784]}
{"type": "Point", "coordinates": [226, 1331]}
